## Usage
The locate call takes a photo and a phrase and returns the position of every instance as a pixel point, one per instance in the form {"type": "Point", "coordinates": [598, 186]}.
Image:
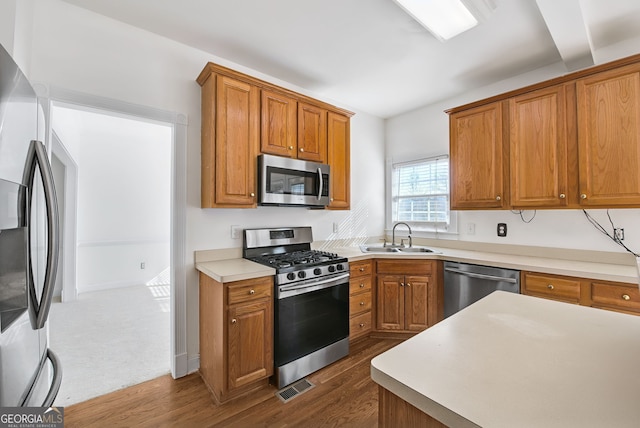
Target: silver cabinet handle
{"type": "Point", "coordinates": [498, 198]}
{"type": "Point", "coordinates": [37, 156]}
{"type": "Point", "coordinates": [290, 147]}
{"type": "Point", "coordinates": [233, 321]}
{"type": "Point", "coordinates": [562, 196]}
{"type": "Point", "coordinates": [252, 292]}
{"type": "Point", "coordinates": [583, 196]}
{"type": "Point", "coordinates": [301, 149]}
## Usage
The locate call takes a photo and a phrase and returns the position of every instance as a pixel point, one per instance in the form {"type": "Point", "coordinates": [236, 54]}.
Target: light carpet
{"type": "Point", "coordinates": [111, 339]}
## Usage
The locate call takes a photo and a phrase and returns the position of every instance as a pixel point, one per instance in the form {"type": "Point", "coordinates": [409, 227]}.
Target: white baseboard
{"type": "Point", "coordinates": [194, 364]}
{"type": "Point", "coordinates": [106, 286]}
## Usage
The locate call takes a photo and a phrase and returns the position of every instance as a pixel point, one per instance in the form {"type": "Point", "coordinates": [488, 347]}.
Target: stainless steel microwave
{"type": "Point", "coordinates": [292, 182]}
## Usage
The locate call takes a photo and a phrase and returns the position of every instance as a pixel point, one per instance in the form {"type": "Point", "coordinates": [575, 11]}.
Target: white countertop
{"type": "Point", "coordinates": [235, 268]}
{"type": "Point", "coordinates": [230, 270]}
{"type": "Point", "coordinates": [511, 360]}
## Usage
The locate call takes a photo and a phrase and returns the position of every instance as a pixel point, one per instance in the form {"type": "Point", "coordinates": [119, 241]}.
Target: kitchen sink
{"type": "Point", "coordinates": [381, 249]}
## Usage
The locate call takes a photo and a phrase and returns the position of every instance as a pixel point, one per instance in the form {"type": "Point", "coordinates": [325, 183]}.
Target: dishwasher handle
{"type": "Point", "coordinates": [481, 276]}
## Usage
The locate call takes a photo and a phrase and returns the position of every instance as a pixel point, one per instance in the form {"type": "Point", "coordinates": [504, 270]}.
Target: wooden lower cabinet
{"type": "Point", "coordinates": [360, 298]}
{"type": "Point", "coordinates": [407, 295]}
{"type": "Point", "coordinates": [393, 412]}
{"type": "Point", "coordinates": [236, 335]}
{"type": "Point", "coordinates": [613, 296]}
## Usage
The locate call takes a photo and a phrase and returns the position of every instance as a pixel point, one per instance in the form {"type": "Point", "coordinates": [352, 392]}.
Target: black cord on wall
{"type": "Point", "coordinates": [604, 231]}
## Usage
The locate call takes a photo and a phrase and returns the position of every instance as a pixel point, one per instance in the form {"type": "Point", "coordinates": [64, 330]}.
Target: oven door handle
{"type": "Point", "coordinates": [292, 290]}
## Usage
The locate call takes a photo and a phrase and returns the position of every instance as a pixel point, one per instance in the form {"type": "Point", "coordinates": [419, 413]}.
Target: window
{"type": "Point", "coordinates": [420, 192]}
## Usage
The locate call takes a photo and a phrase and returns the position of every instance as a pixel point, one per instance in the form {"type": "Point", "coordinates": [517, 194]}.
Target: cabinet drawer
{"type": "Point", "coordinates": [362, 268]}
{"type": "Point", "coordinates": [243, 291]}
{"type": "Point", "coordinates": [617, 296]}
{"type": "Point", "coordinates": [360, 325]}
{"type": "Point", "coordinates": [357, 285]}
{"type": "Point", "coordinates": [553, 287]}
{"type": "Point", "coordinates": [404, 267]}
{"type": "Point", "coordinates": [360, 303]}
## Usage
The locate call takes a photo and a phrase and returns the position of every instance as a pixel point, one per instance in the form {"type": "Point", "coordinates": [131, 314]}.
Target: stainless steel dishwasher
{"type": "Point", "coordinates": [465, 284]}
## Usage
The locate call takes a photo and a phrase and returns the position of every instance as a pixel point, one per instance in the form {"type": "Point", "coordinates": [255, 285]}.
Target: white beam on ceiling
{"type": "Point", "coordinates": [567, 27]}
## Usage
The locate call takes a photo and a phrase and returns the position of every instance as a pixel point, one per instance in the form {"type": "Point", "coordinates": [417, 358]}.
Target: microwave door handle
{"type": "Point", "coordinates": [320, 181]}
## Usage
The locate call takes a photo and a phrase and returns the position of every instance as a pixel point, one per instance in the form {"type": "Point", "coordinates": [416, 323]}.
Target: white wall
{"type": "Point", "coordinates": [82, 51]}
{"type": "Point", "coordinates": [124, 189]}
{"type": "Point", "coordinates": [425, 132]}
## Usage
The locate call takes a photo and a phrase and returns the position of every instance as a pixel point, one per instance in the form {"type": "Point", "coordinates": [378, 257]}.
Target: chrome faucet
{"type": "Point", "coordinates": [393, 235]}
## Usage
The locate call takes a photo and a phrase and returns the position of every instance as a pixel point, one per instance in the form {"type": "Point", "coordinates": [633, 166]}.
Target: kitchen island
{"type": "Point", "coordinates": [511, 360]}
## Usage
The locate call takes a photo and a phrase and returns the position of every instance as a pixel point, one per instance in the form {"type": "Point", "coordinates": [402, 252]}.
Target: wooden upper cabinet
{"type": "Point", "coordinates": [476, 150]}
{"type": "Point", "coordinates": [279, 124]}
{"type": "Point", "coordinates": [338, 131]}
{"type": "Point", "coordinates": [608, 137]}
{"type": "Point", "coordinates": [312, 133]}
{"type": "Point", "coordinates": [538, 149]}
{"type": "Point", "coordinates": [230, 113]}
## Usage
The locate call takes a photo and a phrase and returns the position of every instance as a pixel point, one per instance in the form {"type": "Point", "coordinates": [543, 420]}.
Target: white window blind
{"type": "Point", "coordinates": [420, 191]}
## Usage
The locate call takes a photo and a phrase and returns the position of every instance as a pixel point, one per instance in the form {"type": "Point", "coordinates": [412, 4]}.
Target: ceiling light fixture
{"type": "Point", "coordinates": [447, 18]}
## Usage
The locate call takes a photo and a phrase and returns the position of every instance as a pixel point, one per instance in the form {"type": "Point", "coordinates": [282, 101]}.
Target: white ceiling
{"type": "Point", "coordinates": [371, 56]}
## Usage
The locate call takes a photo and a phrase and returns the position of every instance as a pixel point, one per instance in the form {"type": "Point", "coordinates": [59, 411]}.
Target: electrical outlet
{"type": "Point", "coordinates": [236, 232]}
{"type": "Point", "coordinates": [619, 234]}
{"type": "Point", "coordinates": [471, 228]}
{"type": "Point", "coordinates": [143, 265]}
{"type": "Point", "coordinates": [335, 227]}
{"type": "Point", "coordinates": [502, 229]}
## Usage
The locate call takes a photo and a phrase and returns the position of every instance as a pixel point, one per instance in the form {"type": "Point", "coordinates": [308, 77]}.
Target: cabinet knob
{"type": "Point", "coordinates": [290, 147]}
{"type": "Point", "coordinates": [362, 303]}
{"type": "Point", "coordinates": [550, 287]}
{"type": "Point", "coordinates": [252, 292]}
{"type": "Point", "coordinates": [498, 198]}
{"type": "Point", "coordinates": [562, 196]}
{"type": "Point", "coordinates": [233, 321]}
{"type": "Point", "coordinates": [361, 324]}
{"type": "Point", "coordinates": [402, 284]}
{"type": "Point", "coordinates": [331, 199]}
{"type": "Point", "coordinates": [252, 194]}
{"type": "Point", "coordinates": [361, 269]}
{"type": "Point", "coordinates": [583, 196]}
{"type": "Point", "coordinates": [361, 285]}
{"type": "Point", "coordinates": [408, 284]}
{"type": "Point", "coordinates": [301, 149]}
{"type": "Point", "coordinates": [626, 297]}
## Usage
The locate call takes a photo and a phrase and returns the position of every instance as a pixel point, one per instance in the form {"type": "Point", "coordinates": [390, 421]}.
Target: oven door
{"type": "Point", "coordinates": [285, 181]}
{"type": "Point", "coordinates": [310, 316]}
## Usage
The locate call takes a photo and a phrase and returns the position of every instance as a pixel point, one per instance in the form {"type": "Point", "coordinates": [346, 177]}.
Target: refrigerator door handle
{"type": "Point", "coordinates": [57, 379]}
{"type": "Point", "coordinates": [37, 156]}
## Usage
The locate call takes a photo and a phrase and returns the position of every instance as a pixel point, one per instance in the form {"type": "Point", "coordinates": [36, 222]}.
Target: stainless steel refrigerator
{"type": "Point", "coordinates": [30, 373]}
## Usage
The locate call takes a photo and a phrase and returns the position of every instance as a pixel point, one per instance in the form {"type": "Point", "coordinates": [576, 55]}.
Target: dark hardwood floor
{"type": "Point", "coordinates": [344, 396]}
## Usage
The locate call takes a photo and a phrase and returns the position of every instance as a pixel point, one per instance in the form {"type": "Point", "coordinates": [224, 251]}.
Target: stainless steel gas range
{"type": "Point", "coordinates": [312, 300]}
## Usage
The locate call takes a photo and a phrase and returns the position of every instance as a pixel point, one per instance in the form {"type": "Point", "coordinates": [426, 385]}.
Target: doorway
{"type": "Point", "coordinates": [112, 325]}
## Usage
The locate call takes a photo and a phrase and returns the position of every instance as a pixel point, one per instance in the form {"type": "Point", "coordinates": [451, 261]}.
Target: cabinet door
{"type": "Point", "coordinates": [250, 342]}
{"type": "Point", "coordinates": [279, 124]}
{"type": "Point", "coordinates": [237, 139]}
{"type": "Point", "coordinates": [339, 160]}
{"type": "Point", "coordinates": [312, 133]}
{"type": "Point", "coordinates": [476, 150]}
{"type": "Point", "coordinates": [538, 148]}
{"type": "Point", "coordinates": [416, 303]}
{"type": "Point", "coordinates": [390, 298]}
{"type": "Point", "coordinates": [608, 137]}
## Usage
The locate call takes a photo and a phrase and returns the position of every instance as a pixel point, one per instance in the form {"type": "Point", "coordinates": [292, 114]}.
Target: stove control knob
{"type": "Point", "coordinates": [332, 268]}
{"type": "Point", "coordinates": [291, 276]}
{"type": "Point", "coordinates": [301, 274]}
{"type": "Point", "coordinates": [340, 267]}
{"type": "Point", "coordinates": [317, 271]}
